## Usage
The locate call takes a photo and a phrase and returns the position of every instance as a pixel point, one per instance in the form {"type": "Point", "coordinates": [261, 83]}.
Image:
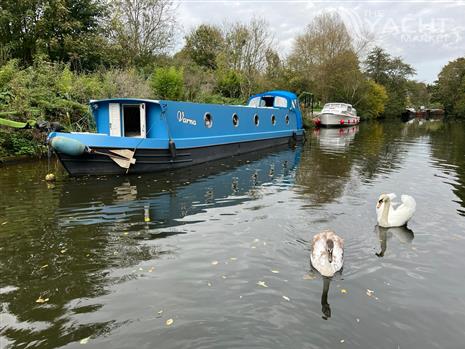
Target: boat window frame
{"type": "Point", "coordinates": [256, 120]}
{"type": "Point", "coordinates": [279, 99]}
{"type": "Point", "coordinates": [235, 117]}
{"type": "Point", "coordinates": [208, 117]}
{"type": "Point", "coordinates": [254, 104]}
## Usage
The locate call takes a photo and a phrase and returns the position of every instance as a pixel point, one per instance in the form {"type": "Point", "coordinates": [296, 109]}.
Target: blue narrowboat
{"type": "Point", "coordinates": [143, 135]}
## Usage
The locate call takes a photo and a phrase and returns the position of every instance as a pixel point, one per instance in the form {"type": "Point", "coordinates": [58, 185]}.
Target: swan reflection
{"type": "Point", "coordinates": [403, 234]}
{"type": "Point", "coordinates": [325, 307]}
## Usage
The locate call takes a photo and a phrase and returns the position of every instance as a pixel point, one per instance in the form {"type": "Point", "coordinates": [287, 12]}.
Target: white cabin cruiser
{"type": "Point", "coordinates": [337, 114]}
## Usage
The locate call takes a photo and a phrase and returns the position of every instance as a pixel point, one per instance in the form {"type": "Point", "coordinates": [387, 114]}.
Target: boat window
{"type": "Point", "coordinates": [280, 102]}
{"type": "Point", "coordinates": [256, 120]}
{"type": "Point", "coordinates": [349, 108]}
{"type": "Point", "coordinates": [254, 102]}
{"type": "Point", "coordinates": [208, 120]}
{"type": "Point", "coordinates": [273, 120]}
{"type": "Point", "coordinates": [287, 119]}
{"type": "Point", "coordinates": [235, 120]}
{"type": "Point", "coordinates": [131, 120]}
{"type": "Point", "coordinates": [267, 101]}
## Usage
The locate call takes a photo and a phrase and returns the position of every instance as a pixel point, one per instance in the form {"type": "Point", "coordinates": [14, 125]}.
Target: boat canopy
{"type": "Point", "coordinates": [273, 99]}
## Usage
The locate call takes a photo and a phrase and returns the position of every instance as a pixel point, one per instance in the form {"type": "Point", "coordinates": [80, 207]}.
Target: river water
{"type": "Point", "coordinates": [218, 256]}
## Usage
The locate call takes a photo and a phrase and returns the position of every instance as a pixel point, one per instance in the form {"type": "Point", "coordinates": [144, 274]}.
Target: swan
{"type": "Point", "coordinates": [390, 216]}
{"type": "Point", "coordinates": [327, 253]}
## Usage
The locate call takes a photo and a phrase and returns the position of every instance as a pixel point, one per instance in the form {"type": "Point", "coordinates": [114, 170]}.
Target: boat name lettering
{"type": "Point", "coordinates": [182, 118]}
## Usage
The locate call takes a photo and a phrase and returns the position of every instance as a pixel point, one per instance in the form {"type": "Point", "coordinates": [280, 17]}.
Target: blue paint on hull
{"type": "Point", "coordinates": [139, 124]}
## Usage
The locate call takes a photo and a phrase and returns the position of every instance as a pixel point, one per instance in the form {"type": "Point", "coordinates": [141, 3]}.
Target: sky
{"type": "Point", "coordinates": [426, 34]}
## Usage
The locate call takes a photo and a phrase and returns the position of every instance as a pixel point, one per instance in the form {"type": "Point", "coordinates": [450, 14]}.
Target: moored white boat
{"type": "Point", "coordinates": [337, 115]}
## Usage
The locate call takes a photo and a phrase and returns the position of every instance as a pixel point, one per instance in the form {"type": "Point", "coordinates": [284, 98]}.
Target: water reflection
{"type": "Point", "coordinates": [325, 307]}
{"type": "Point", "coordinates": [402, 234]}
{"type": "Point", "coordinates": [165, 200]}
{"type": "Point", "coordinates": [336, 139]}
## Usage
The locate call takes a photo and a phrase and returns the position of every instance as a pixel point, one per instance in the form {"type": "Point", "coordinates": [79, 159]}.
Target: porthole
{"type": "Point", "coordinates": [273, 120]}
{"type": "Point", "coordinates": [235, 120]}
{"type": "Point", "coordinates": [256, 120]}
{"type": "Point", "coordinates": [208, 120]}
{"type": "Point", "coordinates": [287, 119]}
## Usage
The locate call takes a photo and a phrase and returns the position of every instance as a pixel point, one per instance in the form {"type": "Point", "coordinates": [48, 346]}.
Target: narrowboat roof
{"type": "Point", "coordinates": [124, 99]}
{"type": "Point", "coordinates": [281, 93]}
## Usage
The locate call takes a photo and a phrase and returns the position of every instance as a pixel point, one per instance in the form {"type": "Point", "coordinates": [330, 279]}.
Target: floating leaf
{"type": "Point", "coordinates": [286, 298]}
{"type": "Point", "coordinates": [370, 292]}
{"type": "Point", "coordinates": [4, 222]}
{"type": "Point", "coordinates": [233, 258]}
{"type": "Point", "coordinates": [209, 284]}
{"type": "Point", "coordinates": [160, 311]}
{"type": "Point", "coordinates": [256, 240]}
{"type": "Point", "coordinates": [84, 340]}
{"type": "Point", "coordinates": [262, 283]}
{"type": "Point", "coordinates": [309, 277]}
{"type": "Point", "coordinates": [63, 250]}
{"type": "Point", "coordinates": [44, 266]}
{"type": "Point", "coordinates": [342, 340]}
{"type": "Point", "coordinates": [214, 262]}
{"type": "Point", "coordinates": [357, 319]}
{"type": "Point", "coordinates": [275, 271]}
{"type": "Point", "coordinates": [223, 276]}
{"type": "Point", "coordinates": [169, 322]}
{"type": "Point", "coordinates": [343, 291]}
{"type": "Point", "coordinates": [41, 300]}
{"type": "Point", "coordinates": [253, 247]}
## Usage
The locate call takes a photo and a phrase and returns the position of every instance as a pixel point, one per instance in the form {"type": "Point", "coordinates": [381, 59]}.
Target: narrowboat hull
{"type": "Point", "coordinates": [338, 120]}
{"type": "Point", "coordinates": [157, 160]}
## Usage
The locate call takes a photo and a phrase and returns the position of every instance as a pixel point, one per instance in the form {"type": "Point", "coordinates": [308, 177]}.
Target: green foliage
{"type": "Point", "coordinates": [373, 100]}
{"type": "Point", "coordinates": [56, 28]}
{"type": "Point", "coordinates": [449, 89]}
{"type": "Point", "coordinates": [393, 74]}
{"type": "Point", "coordinates": [204, 44]}
{"type": "Point", "coordinates": [229, 83]}
{"type": "Point", "coordinates": [167, 83]}
{"type": "Point", "coordinates": [19, 143]}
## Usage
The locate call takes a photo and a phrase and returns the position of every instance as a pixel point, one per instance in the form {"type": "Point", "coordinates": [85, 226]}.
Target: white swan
{"type": "Point", "coordinates": [390, 216]}
{"type": "Point", "coordinates": [327, 253]}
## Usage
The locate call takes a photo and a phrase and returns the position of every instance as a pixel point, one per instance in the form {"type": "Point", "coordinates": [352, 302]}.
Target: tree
{"type": "Point", "coordinates": [322, 55]}
{"type": "Point", "coordinates": [450, 87]}
{"type": "Point", "coordinates": [374, 98]}
{"type": "Point", "coordinates": [52, 27]}
{"type": "Point", "coordinates": [393, 73]}
{"type": "Point", "coordinates": [167, 83]}
{"type": "Point", "coordinates": [204, 44]}
{"type": "Point", "coordinates": [144, 28]}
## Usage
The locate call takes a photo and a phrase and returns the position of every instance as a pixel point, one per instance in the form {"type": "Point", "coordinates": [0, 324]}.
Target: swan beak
{"type": "Point", "coordinates": [378, 205]}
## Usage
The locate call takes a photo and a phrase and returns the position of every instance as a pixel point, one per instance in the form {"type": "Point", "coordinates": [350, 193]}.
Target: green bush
{"type": "Point", "coordinates": [168, 83]}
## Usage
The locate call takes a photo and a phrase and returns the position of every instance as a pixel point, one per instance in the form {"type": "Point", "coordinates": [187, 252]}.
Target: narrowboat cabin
{"type": "Point", "coordinates": [142, 135]}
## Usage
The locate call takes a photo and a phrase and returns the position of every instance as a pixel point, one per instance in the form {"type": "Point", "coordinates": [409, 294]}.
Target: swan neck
{"type": "Point", "coordinates": [385, 214]}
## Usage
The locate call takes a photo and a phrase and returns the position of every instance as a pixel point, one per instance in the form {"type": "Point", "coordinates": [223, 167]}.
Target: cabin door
{"type": "Point", "coordinates": [115, 119]}
{"type": "Point", "coordinates": [143, 132]}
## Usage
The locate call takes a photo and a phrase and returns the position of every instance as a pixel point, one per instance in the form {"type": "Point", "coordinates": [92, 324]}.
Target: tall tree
{"type": "Point", "coordinates": [54, 27]}
{"type": "Point", "coordinates": [322, 54]}
{"type": "Point", "coordinates": [450, 87]}
{"type": "Point", "coordinates": [203, 45]}
{"type": "Point", "coordinates": [393, 73]}
{"type": "Point", "coordinates": [144, 28]}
